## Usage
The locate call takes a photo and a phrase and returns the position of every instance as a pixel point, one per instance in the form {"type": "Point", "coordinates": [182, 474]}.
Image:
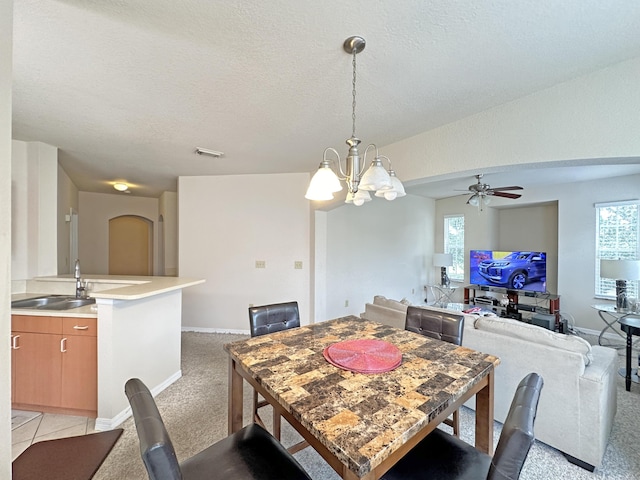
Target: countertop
{"type": "Point", "coordinates": [115, 287]}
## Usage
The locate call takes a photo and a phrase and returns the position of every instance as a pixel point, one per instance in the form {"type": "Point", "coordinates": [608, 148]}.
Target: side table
{"type": "Point", "coordinates": [631, 326]}
{"type": "Point", "coordinates": [442, 295]}
{"type": "Point", "coordinates": [610, 316]}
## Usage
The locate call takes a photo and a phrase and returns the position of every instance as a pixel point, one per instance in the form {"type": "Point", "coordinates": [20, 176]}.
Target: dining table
{"type": "Point", "coordinates": [362, 423]}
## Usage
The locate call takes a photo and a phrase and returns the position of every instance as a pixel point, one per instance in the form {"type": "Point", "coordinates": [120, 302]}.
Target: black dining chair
{"type": "Point", "coordinates": [268, 319]}
{"type": "Point", "coordinates": [251, 453]}
{"type": "Point", "coordinates": [444, 326]}
{"type": "Point", "coordinates": [444, 456]}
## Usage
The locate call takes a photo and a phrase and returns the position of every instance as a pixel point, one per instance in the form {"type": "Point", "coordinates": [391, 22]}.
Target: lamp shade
{"type": "Point", "coordinates": [620, 269]}
{"type": "Point", "coordinates": [442, 260]}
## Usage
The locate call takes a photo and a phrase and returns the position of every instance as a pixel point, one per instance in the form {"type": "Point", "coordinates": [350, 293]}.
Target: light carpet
{"type": "Point", "coordinates": [194, 409]}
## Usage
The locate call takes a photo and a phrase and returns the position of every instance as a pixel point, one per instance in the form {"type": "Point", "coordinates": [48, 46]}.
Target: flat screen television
{"type": "Point", "coordinates": [521, 270]}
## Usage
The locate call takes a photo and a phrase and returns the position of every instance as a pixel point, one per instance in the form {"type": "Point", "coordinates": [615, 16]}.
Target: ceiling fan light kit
{"type": "Point", "coordinates": [325, 182]}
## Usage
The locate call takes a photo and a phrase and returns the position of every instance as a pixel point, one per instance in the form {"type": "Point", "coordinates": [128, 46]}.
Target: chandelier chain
{"type": "Point", "coordinates": [353, 93]}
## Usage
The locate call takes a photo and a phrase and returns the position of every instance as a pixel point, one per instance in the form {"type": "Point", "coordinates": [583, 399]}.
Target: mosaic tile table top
{"type": "Point", "coordinates": [360, 418]}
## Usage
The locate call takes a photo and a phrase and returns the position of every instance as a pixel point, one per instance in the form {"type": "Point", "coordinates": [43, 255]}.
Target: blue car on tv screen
{"type": "Point", "coordinates": [512, 270]}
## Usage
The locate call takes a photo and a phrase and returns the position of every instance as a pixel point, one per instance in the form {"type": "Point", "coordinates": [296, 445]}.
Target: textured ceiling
{"type": "Point", "coordinates": [127, 90]}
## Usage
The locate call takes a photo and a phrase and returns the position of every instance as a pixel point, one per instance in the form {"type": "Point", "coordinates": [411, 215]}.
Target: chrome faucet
{"type": "Point", "coordinates": [81, 287]}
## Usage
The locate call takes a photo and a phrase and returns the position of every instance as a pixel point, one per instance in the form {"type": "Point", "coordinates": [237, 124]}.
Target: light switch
{"type": "Point", "coordinates": [261, 264]}
{"type": "Point", "coordinates": [297, 265]}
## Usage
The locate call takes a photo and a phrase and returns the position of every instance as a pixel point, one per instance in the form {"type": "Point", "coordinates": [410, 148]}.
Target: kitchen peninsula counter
{"type": "Point", "coordinates": [139, 331]}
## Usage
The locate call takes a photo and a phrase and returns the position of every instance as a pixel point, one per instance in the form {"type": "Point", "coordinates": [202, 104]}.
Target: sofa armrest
{"type": "Point", "coordinates": [387, 316]}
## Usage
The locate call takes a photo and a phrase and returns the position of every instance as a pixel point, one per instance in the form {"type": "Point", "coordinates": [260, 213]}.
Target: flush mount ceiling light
{"type": "Point", "coordinates": [325, 182]}
{"type": "Point", "coordinates": [211, 153]}
{"type": "Point", "coordinates": [121, 187]}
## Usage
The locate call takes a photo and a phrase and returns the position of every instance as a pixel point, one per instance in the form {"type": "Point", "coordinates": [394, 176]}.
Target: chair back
{"type": "Point", "coordinates": [517, 432]}
{"type": "Point", "coordinates": [444, 326]}
{"type": "Point", "coordinates": [156, 448]}
{"type": "Point", "coordinates": [273, 318]}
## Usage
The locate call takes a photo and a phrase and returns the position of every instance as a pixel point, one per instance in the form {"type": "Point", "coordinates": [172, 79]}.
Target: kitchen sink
{"type": "Point", "coordinates": [53, 302]}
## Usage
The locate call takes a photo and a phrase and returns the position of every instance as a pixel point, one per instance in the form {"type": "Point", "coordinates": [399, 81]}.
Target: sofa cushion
{"type": "Point", "coordinates": [394, 304]}
{"type": "Point", "coordinates": [534, 333]}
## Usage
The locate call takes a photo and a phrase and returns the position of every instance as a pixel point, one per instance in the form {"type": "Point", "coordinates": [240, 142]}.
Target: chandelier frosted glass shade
{"type": "Point", "coordinates": [359, 198]}
{"type": "Point", "coordinates": [396, 190]}
{"type": "Point", "coordinates": [375, 178]}
{"type": "Point", "coordinates": [324, 184]}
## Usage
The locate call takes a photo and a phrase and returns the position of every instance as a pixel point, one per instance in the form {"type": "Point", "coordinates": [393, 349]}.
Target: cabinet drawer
{"type": "Point", "coordinates": [36, 324]}
{"type": "Point", "coordinates": [80, 326]}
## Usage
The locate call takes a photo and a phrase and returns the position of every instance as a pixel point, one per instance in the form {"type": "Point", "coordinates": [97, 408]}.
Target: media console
{"type": "Point", "coordinates": [533, 307]}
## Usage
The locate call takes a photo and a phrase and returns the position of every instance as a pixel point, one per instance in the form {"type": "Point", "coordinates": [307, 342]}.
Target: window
{"type": "Point", "coordinates": [454, 244]}
{"type": "Point", "coordinates": [617, 237]}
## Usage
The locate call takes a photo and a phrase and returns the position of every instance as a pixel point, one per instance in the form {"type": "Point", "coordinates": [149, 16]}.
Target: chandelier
{"type": "Point", "coordinates": [325, 182]}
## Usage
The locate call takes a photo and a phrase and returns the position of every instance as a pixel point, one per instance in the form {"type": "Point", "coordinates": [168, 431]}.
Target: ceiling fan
{"type": "Point", "coordinates": [481, 193]}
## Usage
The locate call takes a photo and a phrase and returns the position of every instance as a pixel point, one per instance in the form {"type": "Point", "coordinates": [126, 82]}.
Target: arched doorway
{"type": "Point", "coordinates": [130, 245]}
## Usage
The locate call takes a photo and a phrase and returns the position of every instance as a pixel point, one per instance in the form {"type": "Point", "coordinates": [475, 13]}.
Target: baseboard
{"type": "Point", "coordinates": [215, 330]}
{"type": "Point", "coordinates": [103, 424]}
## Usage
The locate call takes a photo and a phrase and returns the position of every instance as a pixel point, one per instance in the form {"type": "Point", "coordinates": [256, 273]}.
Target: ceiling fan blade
{"type": "Point", "coordinates": [505, 195]}
{"type": "Point", "coordinates": [513, 187]}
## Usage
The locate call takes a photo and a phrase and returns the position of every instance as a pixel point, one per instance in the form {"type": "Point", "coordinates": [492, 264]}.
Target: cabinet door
{"type": "Point", "coordinates": [80, 373]}
{"type": "Point", "coordinates": [37, 369]}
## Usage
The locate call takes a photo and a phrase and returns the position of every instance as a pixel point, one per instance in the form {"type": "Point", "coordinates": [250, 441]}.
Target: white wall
{"type": "Point", "coordinates": [6, 42]}
{"type": "Point", "coordinates": [168, 206]}
{"type": "Point", "coordinates": [532, 228]}
{"type": "Point", "coordinates": [67, 202]}
{"type": "Point", "coordinates": [480, 233]}
{"type": "Point", "coordinates": [595, 116]}
{"type": "Point", "coordinates": [576, 239]}
{"type": "Point", "coordinates": [95, 211]}
{"type": "Point", "coordinates": [511, 227]}
{"type": "Point", "coordinates": [34, 210]}
{"type": "Point", "coordinates": [380, 248]}
{"type": "Point", "coordinates": [534, 225]}
{"type": "Point", "coordinates": [226, 224]}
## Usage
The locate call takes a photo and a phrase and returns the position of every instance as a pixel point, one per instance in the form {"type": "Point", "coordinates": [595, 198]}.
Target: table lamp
{"type": "Point", "coordinates": [443, 260]}
{"type": "Point", "coordinates": [621, 271]}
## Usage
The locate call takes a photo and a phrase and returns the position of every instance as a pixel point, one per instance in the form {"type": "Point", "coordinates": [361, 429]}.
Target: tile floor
{"type": "Point", "coordinates": [48, 426]}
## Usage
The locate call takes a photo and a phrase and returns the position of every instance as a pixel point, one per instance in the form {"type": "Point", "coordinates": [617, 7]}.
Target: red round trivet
{"type": "Point", "coordinates": [364, 355]}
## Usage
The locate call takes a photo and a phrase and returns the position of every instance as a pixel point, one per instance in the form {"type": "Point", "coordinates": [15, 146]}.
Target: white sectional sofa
{"type": "Point", "coordinates": [579, 398]}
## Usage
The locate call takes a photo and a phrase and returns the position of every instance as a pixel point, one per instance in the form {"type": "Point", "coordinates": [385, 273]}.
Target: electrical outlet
{"type": "Point", "coordinates": [346, 303]}
{"type": "Point", "coordinates": [297, 265]}
{"type": "Point", "coordinates": [261, 264]}
{"type": "Point", "coordinates": [413, 291]}
{"type": "Point", "coordinates": [250, 305]}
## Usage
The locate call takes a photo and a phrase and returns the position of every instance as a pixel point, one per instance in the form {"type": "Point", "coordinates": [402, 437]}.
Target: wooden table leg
{"type": "Point", "coordinates": [235, 398]}
{"type": "Point", "coordinates": [484, 417]}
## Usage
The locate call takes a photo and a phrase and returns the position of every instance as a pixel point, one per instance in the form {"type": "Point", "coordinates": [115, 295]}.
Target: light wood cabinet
{"type": "Point", "coordinates": [55, 364]}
